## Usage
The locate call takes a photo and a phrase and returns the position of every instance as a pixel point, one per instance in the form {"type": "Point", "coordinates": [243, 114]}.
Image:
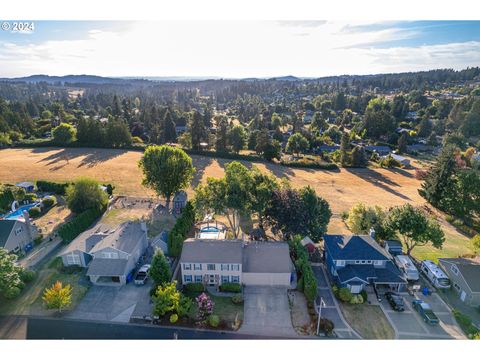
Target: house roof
{"type": "Point", "coordinates": [266, 257]}
{"type": "Point", "coordinates": [255, 256]}
{"type": "Point", "coordinates": [107, 267]}
{"type": "Point", "coordinates": [212, 251]}
{"type": "Point", "coordinates": [125, 238]}
{"type": "Point", "coordinates": [88, 239]}
{"type": "Point", "coordinates": [354, 247]}
{"type": "Point", "coordinates": [6, 227]}
{"type": "Point", "coordinates": [366, 272]}
{"type": "Point", "coordinates": [468, 268]}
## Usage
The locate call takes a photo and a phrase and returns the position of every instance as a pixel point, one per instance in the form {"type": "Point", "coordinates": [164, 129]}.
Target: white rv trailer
{"type": "Point", "coordinates": [406, 265]}
{"type": "Point", "coordinates": [436, 276]}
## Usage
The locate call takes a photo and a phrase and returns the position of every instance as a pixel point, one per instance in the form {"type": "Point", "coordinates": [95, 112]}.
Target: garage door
{"type": "Point", "coordinates": [271, 279]}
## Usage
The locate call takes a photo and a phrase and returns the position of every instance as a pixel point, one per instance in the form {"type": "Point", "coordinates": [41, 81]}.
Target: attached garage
{"type": "Point", "coordinates": [266, 264]}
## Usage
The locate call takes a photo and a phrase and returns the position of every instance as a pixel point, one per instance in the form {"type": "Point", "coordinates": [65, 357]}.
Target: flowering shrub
{"type": "Point", "coordinates": [205, 306]}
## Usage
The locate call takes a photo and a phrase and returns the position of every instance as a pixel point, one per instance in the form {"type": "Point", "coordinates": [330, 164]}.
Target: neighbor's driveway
{"type": "Point", "coordinates": [266, 312]}
{"type": "Point", "coordinates": [410, 325]}
{"type": "Point", "coordinates": [111, 303]}
{"type": "Point", "coordinates": [331, 309]}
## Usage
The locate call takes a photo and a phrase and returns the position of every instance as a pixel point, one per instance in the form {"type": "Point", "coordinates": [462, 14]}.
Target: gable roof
{"type": "Point", "coordinates": [366, 272]}
{"type": "Point", "coordinates": [212, 251]}
{"type": "Point", "coordinates": [354, 247]}
{"type": "Point", "coordinates": [266, 257]}
{"type": "Point", "coordinates": [88, 239]}
{"type": "Point", "coordinates": [125, 238]}
{"type": "Point", "coordinates": [6, 227]}
{"type": "Point", "coordinates": [468, 268]}
{"type": "Point", "coordinates": [107, 267]}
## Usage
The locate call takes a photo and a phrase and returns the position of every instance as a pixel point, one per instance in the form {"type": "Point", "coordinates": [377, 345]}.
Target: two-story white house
{"type": "Point", "coordinates": [215, 262]}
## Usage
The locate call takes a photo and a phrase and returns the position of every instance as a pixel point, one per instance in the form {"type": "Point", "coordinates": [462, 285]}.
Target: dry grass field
{"type": "Point", "coordinates": [341, 188]}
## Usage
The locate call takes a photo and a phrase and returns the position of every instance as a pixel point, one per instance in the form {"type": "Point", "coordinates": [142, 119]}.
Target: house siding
{"type": "Point", "coordinates": [203, 272]}
{"type": "Point", "coordinates": [471, 298]}
{"type": "Point", "coordinates": [17, 240]}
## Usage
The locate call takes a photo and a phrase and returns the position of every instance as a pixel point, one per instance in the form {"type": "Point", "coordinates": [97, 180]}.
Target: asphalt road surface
{"type": "Point", "coordinates": [54, 329]}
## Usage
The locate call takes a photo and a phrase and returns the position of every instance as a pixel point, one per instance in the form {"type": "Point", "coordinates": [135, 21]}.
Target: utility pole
{"type": "Point", "coordinates": [319, 312]}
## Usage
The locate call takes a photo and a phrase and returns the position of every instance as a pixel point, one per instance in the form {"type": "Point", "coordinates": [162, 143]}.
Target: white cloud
{"type": "Point", "coordinates": [231, 49]}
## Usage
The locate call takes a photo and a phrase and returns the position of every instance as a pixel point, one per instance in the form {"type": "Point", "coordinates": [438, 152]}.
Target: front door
{"type": "Point", "coordinates": [463, 295]}
{"type": "Point", "coordinates": [211, 279]}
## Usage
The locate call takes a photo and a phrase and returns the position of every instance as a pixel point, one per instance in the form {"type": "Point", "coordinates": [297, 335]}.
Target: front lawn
{"type": "Point", "coordinates": [231, 314]}
{"type": "Point", "coordinates": [368, 320]}
{"type": "Point", "coordinates": [30, 300]}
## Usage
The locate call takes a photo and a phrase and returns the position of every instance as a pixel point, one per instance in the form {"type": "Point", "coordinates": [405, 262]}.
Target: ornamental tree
{"type": "Point", "coordinates": [58, 296]}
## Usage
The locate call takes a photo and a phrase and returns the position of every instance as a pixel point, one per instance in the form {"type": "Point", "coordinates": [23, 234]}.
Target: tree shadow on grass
{"type": "Point", "coordinates": [201, 163]}
{"type": "Point", "coordinates": [379, 180]}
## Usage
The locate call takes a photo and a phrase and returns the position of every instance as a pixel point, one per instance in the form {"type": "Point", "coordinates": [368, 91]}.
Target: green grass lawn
{"type": "Point", "coordinates": [455, 245]}
{"type": "Point", "coordinates": [30, 300]}
{"type": "Point", "coordinates": [368, 320]}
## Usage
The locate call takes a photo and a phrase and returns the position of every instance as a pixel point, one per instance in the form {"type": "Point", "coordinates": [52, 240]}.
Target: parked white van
{"type": "Point", "coordinates": [436, 276]}
{"type": "Point", "coordinates": [406, 265]}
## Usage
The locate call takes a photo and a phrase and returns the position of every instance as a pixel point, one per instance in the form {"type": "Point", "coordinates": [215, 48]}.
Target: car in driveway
{"type": "Point", "coordinates": [425, 311]}
{"type": "Point", "coordinates": [142, 275]}
{"type": "Point", "coordinates": [395, 301]}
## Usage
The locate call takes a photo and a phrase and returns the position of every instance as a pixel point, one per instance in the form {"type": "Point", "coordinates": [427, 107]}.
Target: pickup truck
{"type": "Point", "coordinates": [142, 275]}
{"type": "Point", "coordinates": [425, 311]}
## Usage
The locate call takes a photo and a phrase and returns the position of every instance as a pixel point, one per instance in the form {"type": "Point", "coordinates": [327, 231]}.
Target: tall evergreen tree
{"type": "Point", "coordinates": [438, 182]}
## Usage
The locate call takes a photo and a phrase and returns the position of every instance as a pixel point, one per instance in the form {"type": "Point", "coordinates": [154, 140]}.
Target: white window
{"type": "Point", "coordinates": [235, 267]}
{"type": "Point", "coordinates": [454, 269]}
{"type": "Point", "coordinates": [197, 266]}
{"type": "Point", "coordinates": [18, 231]}
{"type": "Point", "coordinates": [225, 267]}
{"type": "Point", "coordinates": [73, 259]}
{"type": "Point", "coordinates": [110, 255]}
{"type": "Point", "coordinates": [340, 262]}
{"type": "Point", "coordinates": [369, 261]}
{"type": "Point", "coordinates": [225, 279]}
{"type": "Point", "coordinates": [187, 266]}
{"type": "Point", "coordinates": [378, 262]}
{"type": "Point", "coordinates": [235, 279]}
{"type": "Point", "coordinates": [210, 266]}
{"type": "Point", "coordinates": [198, 278]}
{"type": "Point", "coordinates": [187, 278]}
{"type": "Point", "coordinates": [357, 261]}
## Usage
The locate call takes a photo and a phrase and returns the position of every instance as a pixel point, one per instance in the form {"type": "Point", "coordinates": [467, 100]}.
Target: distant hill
{"type": "Point", "coordinates": [85, 79]}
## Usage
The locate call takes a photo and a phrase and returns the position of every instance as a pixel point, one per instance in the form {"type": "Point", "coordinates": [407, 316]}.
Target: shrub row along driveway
{"type": "Point", "coordinates": [266, 312]}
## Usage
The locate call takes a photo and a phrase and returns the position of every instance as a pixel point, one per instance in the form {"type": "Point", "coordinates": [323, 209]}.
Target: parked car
{"type": "Point", "coordinates": [425, 311]}
{"type": "Point", "coordinates": [395, 301]}
{"type": "Point", "coordinates": [142, 275]}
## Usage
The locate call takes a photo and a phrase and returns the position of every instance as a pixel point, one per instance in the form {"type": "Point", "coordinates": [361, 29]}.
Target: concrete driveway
{"type": "Point", "coordinates": [112, 303]}
{"type": "Point", "coordinates": [267, 312]}
{"type": "Point", "coordinates": [410, 325]}
{"type": "Point", "coordinates": [331, 310]}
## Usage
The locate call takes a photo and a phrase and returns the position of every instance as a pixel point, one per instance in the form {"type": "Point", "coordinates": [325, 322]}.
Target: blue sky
{"type": "Point", "coordinates": [238, 48]}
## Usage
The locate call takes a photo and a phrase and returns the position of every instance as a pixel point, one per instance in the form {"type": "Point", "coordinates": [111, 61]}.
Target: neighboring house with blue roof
{"type": "Point", "coordinates": [355, 261]}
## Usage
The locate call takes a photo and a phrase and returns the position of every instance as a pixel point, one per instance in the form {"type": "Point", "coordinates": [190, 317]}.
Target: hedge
{"type": "Point", "coordinates": [52, 187]}
{"type": "Point", "coordinates": [309, 165]}
{"type": "Point", "coordinates": [307, 277]}
{"type": "Point", "coordinates": [180, 230]}
{"type": "Point", "coordinates": [231, 287]}
{"type": "Point", "coordinates": [79, 224]}
{"type": "Point", "coordinates": [195, 287]}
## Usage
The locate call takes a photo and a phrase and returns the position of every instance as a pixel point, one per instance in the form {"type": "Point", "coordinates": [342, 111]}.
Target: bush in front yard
{"type": "Point", "coordinates": [38, 240]}
{"type": "Point", "coordinates": [364, 295]}
{"type": "Point", "coordinates": [326, 326]}
{"type": "Point", "coordinates": [345, 295]}
{"type": "Point", "coordinates": [12, 293]}
{"type": "Point", "coordinates": [237, 299]}
{"type": "Point", "coordinates": [356, 299]}
{"type": "Point", "coordinates": [214, 320]}
{"type": "Point", "coordinates": [173, 318]}
{"type": "Point", "coordinates": [27, 275]}
{"type": "Point", "coordinates": [195, 287]}
{"type": "Point", "coordinates": [231, 287]}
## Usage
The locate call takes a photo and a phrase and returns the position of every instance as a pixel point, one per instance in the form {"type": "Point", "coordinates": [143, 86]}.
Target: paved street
{"type": "Point", "coordinates": [54, 328]}
{"type": "Point", "coordinates": [266, 312]}
{"type": "Point", "coordinates": [331, 311]}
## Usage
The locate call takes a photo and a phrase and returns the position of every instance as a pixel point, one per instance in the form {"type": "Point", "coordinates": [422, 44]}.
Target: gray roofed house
{"type": "Point", "coordinates": [465, 277]}
{"type": "Point", "coordinates": [214, 262]}
{"type": "Point", "coordinates": [16, 234]}
{"type": "Point", "coordinates": [110, 254]}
